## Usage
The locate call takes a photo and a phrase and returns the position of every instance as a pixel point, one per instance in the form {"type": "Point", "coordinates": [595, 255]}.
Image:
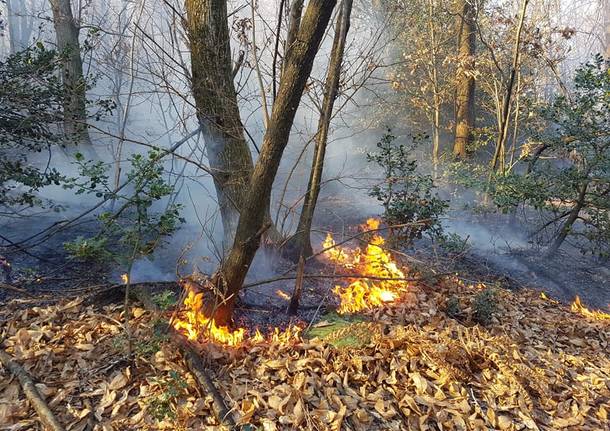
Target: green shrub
{"type": "Point", "coordinates": [484, 305]}
{"type": "Point", "coordinates": [407, 196]}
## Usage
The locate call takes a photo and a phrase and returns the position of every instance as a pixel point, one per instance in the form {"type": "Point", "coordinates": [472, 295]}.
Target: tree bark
{"type": "Point", "coordinates": [607, 28]}
{"type": "Point", "coordinates": [75, 86]}
{"type": "Point", "coordinates": [465, 115]}
{"type": "Point", "coordinates": [217, 109]}
{"type": "Point", "coordinates": [567, 225]}
{"type": "Point", "coordinates": [298, 65]}
{"type": "Point", "coordinates": [300, 243]}
{"type": "Point", "coordinates": [504, 119]}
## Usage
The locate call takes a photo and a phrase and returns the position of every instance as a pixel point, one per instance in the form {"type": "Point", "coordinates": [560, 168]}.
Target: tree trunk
{"type": "Point", "coordinates": [504, 119]}
{"type": "Point", "coordinates": [300, 243]}
{"type": "Point", "coordinates": [436, 97]}
{"type": "Point", "coordinates": [298, 65]}
{"type": "Point", "coordinates": [464, 121]}
{"type": "Point", "coordinates": [20, 25]}
{"type": "Point", "coordinates": [436, 135]}
{"type": "Point", "coordinates": [567, 225]}
{"type": "Point", "coordinates": [75, 86]}
{"type": "Point", "coordinates": [607, 28]}
{"type": "Point", "coordinates": [217, 109]}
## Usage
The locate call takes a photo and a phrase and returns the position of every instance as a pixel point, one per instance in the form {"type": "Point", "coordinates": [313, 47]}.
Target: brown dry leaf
{"type": "Point", "coordinates": [504, 422]}
{"type": "Point", "coordinates": [247, 411]}
{"type": "Point", "coordinates": [138, 312]}
{"type": "Point", "coordinates": [118, 382]}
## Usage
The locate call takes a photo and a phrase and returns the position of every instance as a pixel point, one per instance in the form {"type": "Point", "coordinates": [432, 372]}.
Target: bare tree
{"type": "Point", "coordinates": [217, 108]}
{"type": "Point", "coordinates": [297, 68]}
{"type": "Point", "coordinates": [464, 121]}
{"type": "Point", "coordinates": [300, 243]}
{"type": "Point", "coordinates": [75, 112]}
{"type": "Point", "coordinates": [606, 11]}
{"type": "Point", "coordinates": [499, 154]}
{"type": "Point", "coordinates": [20, 24]}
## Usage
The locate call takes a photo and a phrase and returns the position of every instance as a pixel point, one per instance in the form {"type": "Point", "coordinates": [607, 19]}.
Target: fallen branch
{"type": "Point", "coordinates": [193, 362]}
{"type": "Point", "coordinates": [44, 413]}
{"type": "Point", "coordinates": [15, 289]}
{"type": "Point", "coordinates": [197, 368]}
{"type": "Point", "coordinates": [353, 276]}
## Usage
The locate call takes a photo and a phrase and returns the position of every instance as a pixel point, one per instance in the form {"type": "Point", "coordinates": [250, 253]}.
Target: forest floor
{"type": "Point", "coordinates": [425, 361]}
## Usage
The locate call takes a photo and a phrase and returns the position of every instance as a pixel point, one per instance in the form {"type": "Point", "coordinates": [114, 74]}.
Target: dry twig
{"type": "Point", "coordinates": [30, 391]}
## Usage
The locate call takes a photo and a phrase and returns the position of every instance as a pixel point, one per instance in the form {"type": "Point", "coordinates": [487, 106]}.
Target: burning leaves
{"type": "Point", "coordinates": [578, 307]}
{"type": "Point", "coordinates": [374, 261]}
{"type": "Point", "coordinates": [195, 324]}
{"type": "Point", "coordinates": [385, 286]}
{"type": "Point", "coordinates": [537, 366]}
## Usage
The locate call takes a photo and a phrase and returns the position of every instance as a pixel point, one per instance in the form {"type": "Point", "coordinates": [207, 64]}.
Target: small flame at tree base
{"type": "Point", "coordinates": [195, 325]}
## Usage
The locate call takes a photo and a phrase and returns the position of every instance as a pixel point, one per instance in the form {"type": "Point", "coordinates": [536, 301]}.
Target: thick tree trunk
{"type": "Point", "coordinates": [300, 243]}
{"type": "Point", "coordinates": [464, 121]}
{"type": "Point", "coordinates": [217, 110]}
{"type": "Point", "coordinates": [298, 65]}
{"type": "Point", "coordinates": [567, 225]}
{"type": "Point", "coordinates": [75, 86]}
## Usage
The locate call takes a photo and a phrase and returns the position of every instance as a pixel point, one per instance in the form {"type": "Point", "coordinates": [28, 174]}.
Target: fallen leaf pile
{"type": "Point", "coordinates": [537, 365]}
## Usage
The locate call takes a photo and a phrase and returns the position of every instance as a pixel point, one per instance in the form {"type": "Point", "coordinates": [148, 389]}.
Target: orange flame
{"type": "Point", "coordinates": [282, 294]}
{"type": "Point", "coordinates": [195, 325]}
{"type": "Point", "coordinates": [375, 262]}
{"type": "Point", "coordinates": [125, 278]}
{"type": "Point", "coordinates": [578, 307]}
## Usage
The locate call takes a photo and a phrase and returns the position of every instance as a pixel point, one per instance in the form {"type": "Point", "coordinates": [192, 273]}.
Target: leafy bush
{"type": "Point", "coordinates": [165, 299]}
{"type": "Point", "coordinates": [133, 229]}
{"type": "Point", "coordinates": [484, 305]}
{"type": "Point", "coordinates": [567, 177]}
{"type": "Point", "coordinates": [163, 405]}
{"type": "Point", "coordinates": [31, 101]}
{"type": "Point", "coordinates": [407, 196]}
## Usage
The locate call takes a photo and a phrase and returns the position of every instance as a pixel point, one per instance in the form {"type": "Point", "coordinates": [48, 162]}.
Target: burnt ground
{"type": "Point", "coordinates": [498, 253]}
{"type": "Point", "coordinates": [505, 248]}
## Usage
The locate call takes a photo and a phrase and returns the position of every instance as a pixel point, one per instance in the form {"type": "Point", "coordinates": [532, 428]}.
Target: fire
{"type": "Point", "coordinates": [125, 278]}
{"type": "Point", "coordinates": [578, 307]}
{"type": "Point", "coordinates": [335, 254]}
{"type": "Point", "coordinates": [385, 284]}
{"type": "Point", "coordinates": [374, 262]}
{"type": "Point", "coordinates": [195, 325]}
{"type": "Point", "coordinates": [282, 294]}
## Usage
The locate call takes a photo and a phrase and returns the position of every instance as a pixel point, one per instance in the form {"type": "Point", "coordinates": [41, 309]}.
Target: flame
{"type": "Point", "coordinates": [578, 307]}
{"type": "Point", "coordinates": [360, 294]}
{"type": "Point", "coordinates": [282, 294]}
{"type": "Point", "coordinates": [335, 254]}
{"type": "Point", "coordinates": [195, 325]}
{"type": "Point", "coordinates": [363, 294]}
{"type": "Point", "coordinates": [125, 278]}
